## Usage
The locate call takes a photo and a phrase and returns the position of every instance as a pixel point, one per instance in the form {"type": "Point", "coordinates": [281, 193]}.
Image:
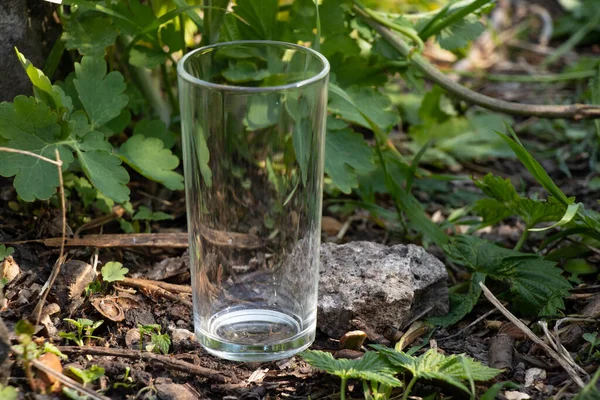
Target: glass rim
{"type": "Point", "coordinates": [185, 75]}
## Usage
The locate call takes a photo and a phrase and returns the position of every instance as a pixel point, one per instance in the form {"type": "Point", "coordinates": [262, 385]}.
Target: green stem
{"type": "Point", "coordinates": [409, 387]}
{"type": "Point", "coordinates": [572, 111]}
{"type": "Point", "coordinates": [408, 32]}
{"type": "Point", "coordinates": [523, 239]}
{"type": "Point", "coordinates": [573, 40]}
{"type": "Point", "coordinates": [547, 78]}
{"type": "Point", "coordinates": [168, 87]}
{"type": "Point", "coordinates": [182, 30]}
{"type": "Point", "coordinates": [453, 18]}
{"type": "Point", "coordinates": [343, 389]}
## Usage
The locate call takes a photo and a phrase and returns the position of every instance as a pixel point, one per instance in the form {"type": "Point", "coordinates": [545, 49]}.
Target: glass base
{"type": "Point", "coordinates": [255, 335]}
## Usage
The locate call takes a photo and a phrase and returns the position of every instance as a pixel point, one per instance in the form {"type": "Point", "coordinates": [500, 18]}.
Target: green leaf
{"type": "Point", "coordinates": [89, 34]}
{"type": "Point", "coordinates": [144, 213]}
{"type": "Point", "coordinates": [536, 284]}
{"type": "Point", "coordinates": [23, 327]}
{"type": "Point", "coordinates": [374, 104]}
{"type": "Point", "coordinates": [461, 304]}
{"type": "Point", "coordinates": [87, 375]}
{"type": "Point", "coordinates": [149, 157]}
{"type": "Point", "coordinates": [8, 393]}
{"type": "Point", "coordinates": [534, 167]}
{"type": "Point", "coordinates": [263, 111]}
{"type": "Point", "coordinates": [144, 57]}
{"type": "Point", "coordinates": [458, 35]}
{"type": "Point", "coordinates": [244, 71]}
{"type": "Point", "coordinates": [371, 367]}
{"type": "Point", "coordinates": [157, 129]}
{"type": "Point", "coordinates": [261, 17]}
{"type": "Point", "coordinates": [113, 271]}
{"type": "Point", "coordinates": [101, 94]}
{"type": "Point", "coordinates": [161, 342]}
{"type": "Point", "coordinates": [454, 369]}
{"type": "Point", "coordinates": [50, 94]}
{"type": "Point", "coordinates": [31, 126]}
{"type": "Point", "coordinates": [494, 390]}
{"type": "Point", "coordinates": [346, 156]}
{"type": "Point", "coordinates": [504, 201]}
{"type": "Point", "coordinates": [5, 251]}
{"type": "Point", "coordinates": [105, 172]}
{"type": "Point", "coordinates": [590, 391]}
{"type": "Point", "coordinates": [571, 212]}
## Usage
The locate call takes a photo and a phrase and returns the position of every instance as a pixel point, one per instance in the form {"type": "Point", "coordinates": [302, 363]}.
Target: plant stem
{"type": "Point", "coordinates": [523, 239]}
{"type": "Point", "coordinates": [168, 87]}
{"type": "Point", "coordinates": [453, 18]}
{"type": "Point", "coordinates": [408, 32]}
{"type": "Point", "coordinates": [573, 111]}
{"type": "Point", "coordinates": [182, 30]}
{"type": "Point", "coordinates": [409, 387]}
{"type": "Point", "coordinates": [546, 78]}
{"type": "Point", "coordinates": [573, 40]}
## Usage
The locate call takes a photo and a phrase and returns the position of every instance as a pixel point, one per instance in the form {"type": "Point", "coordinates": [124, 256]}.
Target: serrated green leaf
{"type": "Point", "coordinates": [89, 34]}
{"type": "Point", "coordinates": [149, 157]}
{"type": "Point", "coordinates": [113, 271]}
{"type": "Point", "coordinates": [458, 35]}
{"type": "Point", "coordinates": [536, 284]}
{"type": "Point", "coordinates": [156, 129]}
{"type": "Point", "coordinates": [144, 57]}
{"type": "Point", "coordinates": [571, 213]}
{"type": "Point", "coordinates": [50, 94]}
{"type": "Point", "coordinates": [105, 172]}
{"type": "Point", "coordinates": [32, 127]}
{"type": "Point", "coordinates": [5, 251]}
{"type": "Point", "coordinates": [436, 366]}
{"type": "Point", "coordinates": [171, 36]}
{"type": "Point", "coordinates": [371, 367]}
{"type": "Point", "coordinates": [461, 304]}
{"type": "Point", "coordinates": [261, 17]}
{"type": "Point", "coordinates": [374, 104]}
{"type": "Point", "coordinates": [346, 156]}
{"type": "Point", "coordinates": [101, 94]}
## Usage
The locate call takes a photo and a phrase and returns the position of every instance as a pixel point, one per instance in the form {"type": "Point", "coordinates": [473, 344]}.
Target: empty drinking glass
{"type": "Point", "coordinates": [253, 118]}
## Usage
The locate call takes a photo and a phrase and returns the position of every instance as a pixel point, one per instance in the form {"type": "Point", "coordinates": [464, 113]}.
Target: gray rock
{"type": "Point", "coordinates": [380, 285]}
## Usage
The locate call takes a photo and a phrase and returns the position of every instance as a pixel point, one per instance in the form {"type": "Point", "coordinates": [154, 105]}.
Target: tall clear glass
{"type": "Point", "coordinates": [253, 118]}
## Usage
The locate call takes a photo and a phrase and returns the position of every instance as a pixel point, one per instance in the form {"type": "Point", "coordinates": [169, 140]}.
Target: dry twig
{"type": "Point", "coordinates": [567, 364]}
{"type": "Point", "coordinates": [158, 288]}
{"type": "Point", "coordinates": [166, 361]}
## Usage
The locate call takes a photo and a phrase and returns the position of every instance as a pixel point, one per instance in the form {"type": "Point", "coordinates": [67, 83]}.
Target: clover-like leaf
{"type": "Point", "coordinates": [346, 156]}
{"type": "Point", "coordinates": [5, 251]}
{"type": "Point", "coordinates": [157, 129]}
{"type": "Point", "coordinates": [89, 34]}
{"type": "Point", "coordinates": [31, 126]}
{"type": "Point", "coordinates": [113, 271]}
{"type": "Point", "coordinates": [149, 157]}
{"type": "Point", "coordinates": [101, 94]}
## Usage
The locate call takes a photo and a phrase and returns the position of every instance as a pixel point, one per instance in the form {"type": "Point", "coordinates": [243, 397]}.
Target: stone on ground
{"type": "Point", "coordinates": [380, 285]}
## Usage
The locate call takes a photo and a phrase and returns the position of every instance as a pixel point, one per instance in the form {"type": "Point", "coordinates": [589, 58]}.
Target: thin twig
{"type": "Point", "coordinates": [28, 153]}
{"type": "Point", "coordinates": [573, 111]}
{"type": "Point", "coordinates": [168, 362]}
{"type": "Point", "coordinates": [152, 289]}
{"type": "Point", "coordinates": [134, 282]}
{"type": "Point", "coordinates": [65, 380]}
{"type": "Point", "coordinates": [61, 257]}
{"type": "Point", "coordinates": [566, 364]}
